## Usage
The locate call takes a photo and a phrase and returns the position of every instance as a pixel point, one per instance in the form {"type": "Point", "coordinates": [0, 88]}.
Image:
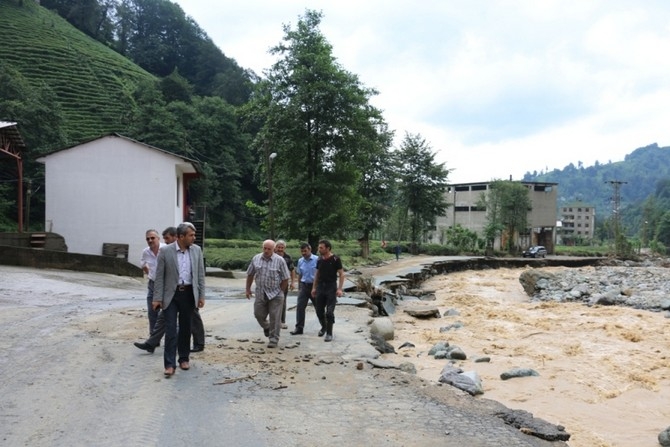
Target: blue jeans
{"type": "Point", "coordinates": [151, 313]}
{"type": "Point", "coordinates": [181, 308]}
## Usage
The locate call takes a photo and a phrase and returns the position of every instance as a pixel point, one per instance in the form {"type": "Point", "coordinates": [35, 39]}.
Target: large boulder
{"type": "Point", "coordinates": [534, 280]}
{"type": "Point", "coordinates": [382, 326]}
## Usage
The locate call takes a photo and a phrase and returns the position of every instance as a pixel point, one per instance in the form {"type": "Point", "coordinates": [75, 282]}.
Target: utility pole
{"type": "Point", "coordinates": [616, 217]}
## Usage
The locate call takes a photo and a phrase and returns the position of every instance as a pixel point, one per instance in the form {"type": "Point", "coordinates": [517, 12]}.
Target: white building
{"type": "Point", "coordinates": [111, 190]}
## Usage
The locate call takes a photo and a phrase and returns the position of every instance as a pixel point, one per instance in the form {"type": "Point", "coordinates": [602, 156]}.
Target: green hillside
{"type": "Point", "coordinates": [92, 83]}
{"type": "Point", "coordinates": [643, 173]}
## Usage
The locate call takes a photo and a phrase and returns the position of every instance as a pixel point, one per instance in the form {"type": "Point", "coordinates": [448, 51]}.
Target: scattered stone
{"type": "Point", "coordinates": [439, 346]}
{"type": "Point", "coordinates": [427, 312]}
{"type": "Point", "coordinates": [482, 359]}
{"type": "Point", "coordinates": [468, 382]}
{"type": "Point", "coordinates": [407, 367]}
{"type": "Point", "coordinates": [381, 363]}
{"type": "Point", "coordinates": [407, 345]}
{"type": "Point", "coordinates": [457, 353]}
{"type": "Point", "coordinates": [533, 426]}
{"type": "Point", "coordinates": [441, 354]}
{"type": "Point", "coordinates": [381, 345]}
{"type": "Point", "coordinates": [518, 372]}
{"type": "Point", "coordinates": [664, 437]}
{"type": "Point", "coordinates": [456, 325]}
{"type": "Point", "coordinates": [451, 313]}
{"type": "Point", "coordinates": [360, 366]}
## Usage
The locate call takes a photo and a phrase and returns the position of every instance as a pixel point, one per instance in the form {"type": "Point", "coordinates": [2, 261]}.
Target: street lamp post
{"type": "Point", "coordinates": [271, 157]}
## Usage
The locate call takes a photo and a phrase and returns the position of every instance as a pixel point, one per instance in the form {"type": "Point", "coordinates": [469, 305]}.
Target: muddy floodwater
{"type": "Point", "coordinates": [604, 372]}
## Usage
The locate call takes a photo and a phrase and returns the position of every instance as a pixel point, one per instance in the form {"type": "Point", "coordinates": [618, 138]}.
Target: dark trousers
{"type": "Point", "coordinates": [180, 309]}
{"type": "Point", "coordinates": [326, 299]}
{"type": "Point", "coordinates": [304, 296]}
{"type": "Point", "coordinates": [197, 330]}
{"type": "Point", "coordinates": [151, 313]}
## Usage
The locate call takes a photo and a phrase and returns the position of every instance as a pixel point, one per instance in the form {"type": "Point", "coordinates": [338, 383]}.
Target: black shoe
{"type": "Point", "coordinates": [198, 348]}
{"type": "Point", "coordinates": [266, 332]}
{"type": "Point", "coordinates": [145, 346]}
{"type": "Point", "coordinates": [296, 331]}
{"type": "Point", "coordinates": [322, 331]}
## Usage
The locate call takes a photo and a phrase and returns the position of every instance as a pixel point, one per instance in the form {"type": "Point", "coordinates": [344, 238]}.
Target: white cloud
{"type": "Point", "coordinates": [498, 88]}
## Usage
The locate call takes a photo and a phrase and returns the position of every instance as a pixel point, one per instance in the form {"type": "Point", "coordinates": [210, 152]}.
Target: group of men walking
{"type": "Point", "coordinates": [176, 290]}
{"type": "Point", "coordinates": [320, 280]}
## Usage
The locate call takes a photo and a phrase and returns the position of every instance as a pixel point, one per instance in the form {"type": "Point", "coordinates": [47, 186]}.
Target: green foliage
{"type": "Point", "coordinates": [329, 141]}
{"type": "Point", "coordinates": [461, 239]}
{"type": "Point", "coordinates": [507, 205]}
{"type": "Point", "coordinates": [663, 229]}
{"type": "Point", "coordinates": [422, 184]}
{"type": "Point", "coordinates": [91, 83]}
{"type": "Point", "coordinates": [643, 172]}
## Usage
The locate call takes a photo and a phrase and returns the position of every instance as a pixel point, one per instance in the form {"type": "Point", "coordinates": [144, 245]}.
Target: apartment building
{"type": "Point", "coordinates": [578, 221]}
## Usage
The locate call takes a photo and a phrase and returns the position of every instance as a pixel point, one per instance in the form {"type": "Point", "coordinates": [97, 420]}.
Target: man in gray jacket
{"type": "Point", "coordinates": [179, 288]}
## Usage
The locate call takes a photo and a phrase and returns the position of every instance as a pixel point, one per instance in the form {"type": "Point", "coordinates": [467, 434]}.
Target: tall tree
{"type": "Point", "coordinates": [158, 36]}
{"type": "Point", "coordinates": [422, 185]}
{"type": "Point", "coordinates": [39, 119]}
{"type": "Point", "coordinates": [317, 118]}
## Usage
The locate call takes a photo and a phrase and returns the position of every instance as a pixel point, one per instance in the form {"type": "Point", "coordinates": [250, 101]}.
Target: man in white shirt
{"type": "Point", "coordinates": [148, 262]}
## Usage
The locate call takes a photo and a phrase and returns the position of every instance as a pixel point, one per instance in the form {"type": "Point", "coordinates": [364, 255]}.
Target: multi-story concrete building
{"type": "Point", "coordinates": [578, 221]}
{"type": "Point", "coordinates": [464, 210]}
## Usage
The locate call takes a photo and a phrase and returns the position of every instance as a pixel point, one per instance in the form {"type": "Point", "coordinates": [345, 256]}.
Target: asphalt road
{"type": "Point", "coordinates": [71, 376]}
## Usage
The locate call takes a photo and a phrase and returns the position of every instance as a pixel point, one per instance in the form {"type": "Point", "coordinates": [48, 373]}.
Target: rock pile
{"type": "Point", "coordinates": [640, 287]}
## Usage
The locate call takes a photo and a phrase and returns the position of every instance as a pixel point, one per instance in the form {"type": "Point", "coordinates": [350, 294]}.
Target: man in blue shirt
{"type": "Point", "coordinates": [306, 270]}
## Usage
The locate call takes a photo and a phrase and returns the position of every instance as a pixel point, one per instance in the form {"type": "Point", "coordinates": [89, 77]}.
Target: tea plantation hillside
{"type": "Point", "coordinates": [92, 83]}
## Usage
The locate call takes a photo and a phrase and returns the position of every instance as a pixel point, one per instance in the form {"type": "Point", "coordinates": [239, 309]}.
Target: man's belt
{"type": "Point", "coordinates": [184, 287]}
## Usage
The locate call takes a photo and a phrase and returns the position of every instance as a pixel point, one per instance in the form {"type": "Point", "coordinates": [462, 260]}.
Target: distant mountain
{"type": "Point", "coordinates": [637, 175]}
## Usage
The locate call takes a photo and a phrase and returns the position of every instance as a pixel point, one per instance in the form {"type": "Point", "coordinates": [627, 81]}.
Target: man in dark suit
{"type": "Point", "coordinates": [179, 288]}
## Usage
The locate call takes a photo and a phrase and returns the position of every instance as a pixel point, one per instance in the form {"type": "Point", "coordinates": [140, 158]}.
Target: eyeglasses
{"type": "Point", "coordinates": [151, 238]}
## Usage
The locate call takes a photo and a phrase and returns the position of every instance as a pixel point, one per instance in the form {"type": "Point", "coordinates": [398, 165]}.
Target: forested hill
{"type": "Point", "coordinates": [158, 36]}
{"type": "Point", "coordinates": [81, 88]}
{"type": "Point", "coordinates": [640, 172]}
{"type": "Point", "coordinates": [64, 86]}
{"type": "Point", "coordinates": [85, 75]}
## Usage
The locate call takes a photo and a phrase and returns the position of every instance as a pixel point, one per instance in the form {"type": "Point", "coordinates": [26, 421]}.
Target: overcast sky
{"type": "Point", "coordinates": [497, 88]}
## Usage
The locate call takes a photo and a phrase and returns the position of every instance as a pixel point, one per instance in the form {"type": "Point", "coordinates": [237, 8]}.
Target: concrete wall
{"type": "Point", "coordinates": [37, 258]}
{"type": "Point", "coordinates": [52, 241]}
